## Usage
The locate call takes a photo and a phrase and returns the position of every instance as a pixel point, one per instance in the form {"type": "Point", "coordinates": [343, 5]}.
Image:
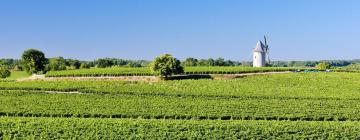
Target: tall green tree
{"type": "Point", "coordinates": [104, 62]}
{"type": "Point", "coordinates": [57, 63]}
{"type": "Point", "coordinates": [190, 62]}
{"type": "Point", "coordinates": [34, 61]}
{"type": "Point", "coordinates": [166, 65]}
{"type": "Point", "coordinates": [84, 66]}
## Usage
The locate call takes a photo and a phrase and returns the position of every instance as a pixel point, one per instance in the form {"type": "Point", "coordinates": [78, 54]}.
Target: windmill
{"type": "Point", "coordinates": [267, 50]}
{"type": "Point", "coordinates": [260, 52]}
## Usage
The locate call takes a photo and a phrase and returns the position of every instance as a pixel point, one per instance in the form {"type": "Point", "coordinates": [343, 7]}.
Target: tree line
{"type": "Point", "coordinates": [34, 61]}
{"type": "Point", "coordinates": [60, 63]}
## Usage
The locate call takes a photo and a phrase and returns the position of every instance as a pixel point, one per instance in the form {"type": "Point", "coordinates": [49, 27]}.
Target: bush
{"type": "Point", "coordinates": [134, 65]}
{"type": "Point", "coordinates": [103, 63]}
{"type": "Point", "coordinates": [70, 68]}
{"type": "Point", "coordinates": [84, 66]}
{"type": "Point", "coordinates": [166, 65]}
{"type": "Point", "coordinates": [323, 66]}
{"type": "Point", "coordinates": [4, 72]}
{"type": "Point", "coordinates": [190, 62]}
{"type": "Point", "coordinates": [56, 64]}
{"type": "Point", "coordinates": [352, 67]}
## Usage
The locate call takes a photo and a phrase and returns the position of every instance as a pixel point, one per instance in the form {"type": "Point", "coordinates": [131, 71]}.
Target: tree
{"type": "Point", "coordinates": [104, 62]}
{"type": "Point", "coordinates": [34, 61]}
{"type": "Point", "coordinates": [190, 62]}
{"type": "Point", "coordinates": [166, 65]}
{"type": "Point", "coordinates": [206, 62]}
{"type": "Point", "coordinates": [134, 64]}
{"type": "Point", "coordinates": [56, 64]}
{"type": "Point", "coordinates": [323, 66]}
{"type": "Point", "coordinates": [17, 68]}
{"type": "Point", "coordinates": [4, 72]}
{"type": "Point", "coordinates": [84, 66]}
{"type": "Point", "coordinates": [73, 64]}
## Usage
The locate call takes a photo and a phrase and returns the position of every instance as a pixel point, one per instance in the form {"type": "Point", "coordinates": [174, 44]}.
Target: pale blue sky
{"type": "Point", "coordinates": [143, 29]}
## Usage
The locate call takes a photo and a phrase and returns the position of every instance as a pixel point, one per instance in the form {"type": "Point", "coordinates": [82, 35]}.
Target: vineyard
{"type": "Point", "coordinates": [145, 71]}
{"type": "Point", "coordinates": [168, 107]}
{"type": "Point", "coordinates": [284, 106]}
{"type": "Point", "coordinates": [60, 128]}
{"type": "Point", "coordinates": [292, 85]}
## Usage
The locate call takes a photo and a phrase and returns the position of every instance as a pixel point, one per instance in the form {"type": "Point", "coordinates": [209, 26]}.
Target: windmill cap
{"type": "Point", "coordinates": [260, 47]}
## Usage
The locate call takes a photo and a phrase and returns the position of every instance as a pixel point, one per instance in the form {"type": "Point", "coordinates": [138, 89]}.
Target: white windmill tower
{"type": "Point", "coordinates": [259, 54]}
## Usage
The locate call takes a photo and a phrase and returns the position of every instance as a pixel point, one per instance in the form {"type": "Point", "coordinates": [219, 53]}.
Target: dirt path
{"type": "Point", "coordinates": [112, 78]}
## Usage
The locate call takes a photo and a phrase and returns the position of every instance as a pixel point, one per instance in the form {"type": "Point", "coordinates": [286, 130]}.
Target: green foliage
{"type": "Point", "coordinates": [34, 61]}
{"type": "Point", "coordinates": [286, 106]}
{"type": "Point", "coordinates": [41, 104]}
{"type": "Point", "coordinates": [103, 63]}
{"type": "Point", "coordinates": [114, 71]}
{"type": "Point", "coordinates": [351, 68]}
{"type": "Point", "coordinates": [133, 64]}
{"type": "Point", "coordinates": [18, 68]}
{"type": "Point", "coordinates": [190, 62]}
{"type": "Point", "coordinates": [166, 65]}
{"type": "Point", "coordinates": [234, 70]}
{"type": "Point", "coordinates": [292, 85]}
{"type": "Point", "coordinates": [217, 62]}
{"type": "Point", "coordinates": [73, 64]}
{"type": "Point", "coordinates": [206, 62]}
{"type": "Point", "coordinates": [71, 68]}
{"type": "Point", "coordinates": [323, 66]}
{"type": "Point", "coordinates": [300, 96]}
{"type": "Point", "coordinates": [59, 64]}
{"type": "Point", "coordinates": [56, 64]}
{"type": "Point", "coordinates": [10, 63]}
{"type": "Point", "coordinates": [4, 72]}
{"type": "Point", "coordinates": [110, 62]}
{"type": "Point", "coordinates": [76, 128]}
{"type": "Point", "coordinates": [145, 71]}
{"type": "Point", "coordinates": [84, 66]}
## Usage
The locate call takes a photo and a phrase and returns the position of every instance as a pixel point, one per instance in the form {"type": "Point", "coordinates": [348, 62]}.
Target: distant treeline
{"type": "Point", "coordinates": [60, 63]}
{"type": "Point", "coordinates": [333, 63]}
{"type": "Point", "coordinates": [222, 62]}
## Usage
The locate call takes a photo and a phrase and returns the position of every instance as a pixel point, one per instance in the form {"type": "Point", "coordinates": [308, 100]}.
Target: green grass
{"type": "Point", "coordinates": [15, 75]}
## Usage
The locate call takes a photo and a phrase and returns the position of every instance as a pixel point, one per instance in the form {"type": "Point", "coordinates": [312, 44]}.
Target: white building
{"type": "Point", "coordinates": [259, 55]}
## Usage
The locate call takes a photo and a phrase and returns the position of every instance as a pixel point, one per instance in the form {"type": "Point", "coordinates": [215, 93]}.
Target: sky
{"type": "Point", "coordinates": [144, 29]}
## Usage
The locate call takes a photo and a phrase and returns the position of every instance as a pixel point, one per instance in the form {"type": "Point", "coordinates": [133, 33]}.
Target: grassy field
{"type": "Point", "coordinates": [284, 106]}
{"type": "Point", "coordinates": [18, 75]}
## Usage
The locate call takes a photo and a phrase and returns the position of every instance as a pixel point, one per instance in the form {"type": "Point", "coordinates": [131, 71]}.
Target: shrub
{"type": "Point", "coordinates": [323, 66]}
{"type": "Point", "coordinates": [166, 65]}
{"type": "Point", "coordinates": [4, 72]}
{"type": "Point", "coordinates": [84, 66]}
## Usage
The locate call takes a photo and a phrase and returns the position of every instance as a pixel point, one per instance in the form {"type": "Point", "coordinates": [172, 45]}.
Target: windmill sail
{"type": "Point", "coordinates": [267, 50]}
